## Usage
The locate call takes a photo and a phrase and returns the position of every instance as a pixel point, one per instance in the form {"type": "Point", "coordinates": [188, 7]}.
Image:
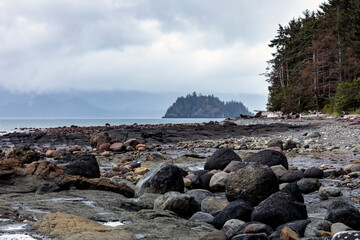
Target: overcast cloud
{"type": "Point", "coordinates": [146, 45]}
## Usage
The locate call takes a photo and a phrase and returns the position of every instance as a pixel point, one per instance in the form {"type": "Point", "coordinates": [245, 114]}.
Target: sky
{"type": "Point", "coordinates": [140, 45]}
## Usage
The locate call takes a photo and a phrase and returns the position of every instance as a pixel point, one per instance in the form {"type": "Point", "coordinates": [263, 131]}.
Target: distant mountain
{"type": "Point", "coordinates": [45, 106]}
{"type": "Point", "coordinates": [199, 106]}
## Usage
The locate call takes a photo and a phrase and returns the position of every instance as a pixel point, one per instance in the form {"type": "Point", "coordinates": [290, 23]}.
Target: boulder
{"type": "Point", "coordinates": [232, 226]}
{"type": "Point", "coordinates": [165, 178]}
{"type": "Point", "coordinates": [220, 159]}
{"type": "Point", "coordinates": [104, 147]}
{"type": "Point", "coordinates": [279, 208]}
{"type": "Point", "coordinates": [314, 173]}
{"type": "Point", "coordinates": [180, 203]}
{"type": "Point", "coordinates": [269, 158]}
{"type": "Point", "coordinates": [83, 164]}
{"type": "Point", "coordinates": [294, 190]}
{"type": "Point", "coordinates": [315, 228]}
{"type": "Point", "coordinates": [202, 217]}
{"type": "Point", "coordinates": [254, 236]}
{"type": "Point", "coordinates": [199, 195]}
{"type": "Point", "coordinates": [254, 183]}
{"type": "Point", "coordinates": [213, 205]}
{"type": "Point", "coordinates": [132, 143]}
{"type": "Point", "coordinates": [326, 192]}
{"type": "Point", "coordinates": [348, 235]}
{"type": "Point", "coordinates": [344, 212]}
{"type": "Point", "coordinates": [234, 210]}
{"type": "Point", "coordinates": [218, 181]}
{"type": "Point", "coordinates": [308, 185]}
{"type": "Point", "coordinates": [291, 176]}
{"type": "Point", "coordinates": [118, 147]}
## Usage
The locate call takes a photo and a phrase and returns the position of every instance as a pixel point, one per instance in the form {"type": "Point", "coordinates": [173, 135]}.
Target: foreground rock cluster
{"type": "Point", "coordinates": [258, 197]}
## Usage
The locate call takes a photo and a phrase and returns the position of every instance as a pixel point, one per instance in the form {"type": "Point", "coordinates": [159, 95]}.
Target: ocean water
{"type": "Point", "coordinates": [14, 124]}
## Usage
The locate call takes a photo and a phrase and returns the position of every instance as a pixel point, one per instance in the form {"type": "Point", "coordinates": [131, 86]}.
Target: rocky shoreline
{"type": "Point", "coordinates": [239, 179]}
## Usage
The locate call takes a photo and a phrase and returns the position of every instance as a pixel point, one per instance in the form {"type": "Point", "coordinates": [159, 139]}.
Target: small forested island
{"type": "Point", "coordinates": [316, 63]}
{"type": "Point", "coordinates": [200, 106]}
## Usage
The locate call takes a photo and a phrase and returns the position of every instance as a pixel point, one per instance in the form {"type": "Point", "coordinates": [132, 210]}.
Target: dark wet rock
{"type": "Point", "coordinates": [83, 164]}
{"type": "Point", "coordinates": [275, 143]}
{"type": "Point", "coordinates": [254, 183]}
{"type": "Point", "coordinates": [254, 236]}
{"type": "Point", "coordinates": [298, 226]}
{"type": "Point", "coordinates": [24, 154]}
{"type": "Point", "coordinates": [314, 228]}
{"type": "Point", "coordinates": [202, 217]}
{"type": "Point", "coordinates": [213, 205]}
{"type": "Point", "coordinates": [314, 173]}
{"type": "Point", "coordinates": [215, 235]}
{"type": "Point", "coordinates": [279, 208]}
{"type": "Point", "coordinates": [308, 185]}
{"type": "Point", "coordinates": [291, 176]}
{"type": "Point", "coordinates": [294, 190]}
{"type": "Point", "coordinates": [348, 235]}
{"type": "Point", "coordinates": [166, 177]}
{"type": "Point", "coordinates": [205, 180]}
{"type": "Point", "coordinates": [255, 227]}
{"type": "Point", "coordinates": [232, 226]}
{"type": "Point", "coordinates": [330, 172]}
{"type": "Point", "coordinates": [234, 210]}
{"type": "Point", "coordinates": [199, 195]}
{"type": "Point", "coordinates": [344, 212]}
{"type": "Point", "coordinates": [269, 158]}
{"type": "Point", "coordinates": [340, 227]}
{"type": "Point", "coordinates": [233, 166]}
{"type": "Point", "coordinates": [180, 203]}
{"type": "Point", "coordinates": [218, 181]}
{"type": "Point", "coordinates": [220, 159]}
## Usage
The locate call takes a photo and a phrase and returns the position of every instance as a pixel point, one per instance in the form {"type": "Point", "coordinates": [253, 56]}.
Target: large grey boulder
{"type": "Point", "coordinates": [181, 204]}
{"type": "Point", "coordinates": [254, 183]}
{"type": "Point", "coordinates": [165, 178]}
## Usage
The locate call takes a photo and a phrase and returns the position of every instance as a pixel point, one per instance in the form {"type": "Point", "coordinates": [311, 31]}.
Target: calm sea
{"type": "Point", "coordinates": [8, 124]}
